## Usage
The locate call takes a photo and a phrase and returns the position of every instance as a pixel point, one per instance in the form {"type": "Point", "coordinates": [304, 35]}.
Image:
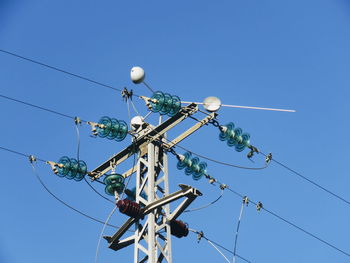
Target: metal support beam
{"type": "Point", "coordinates": [143, 141]}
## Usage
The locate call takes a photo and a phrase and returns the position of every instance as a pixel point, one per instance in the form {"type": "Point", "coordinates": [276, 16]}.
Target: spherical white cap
{"type": "Point", "coordinates": [212, 104]}
{"type": "Point", "coordinates": [136, 122]}
{"type": "Point", "coordinates": [137, 75]}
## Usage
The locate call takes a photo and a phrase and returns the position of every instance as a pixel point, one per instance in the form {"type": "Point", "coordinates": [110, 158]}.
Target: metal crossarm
{"type": "Point", "coordinates": [141, 143]}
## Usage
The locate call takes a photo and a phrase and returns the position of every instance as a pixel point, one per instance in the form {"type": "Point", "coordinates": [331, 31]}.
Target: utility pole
{"type": "Point", "coordinates": [150, 214]}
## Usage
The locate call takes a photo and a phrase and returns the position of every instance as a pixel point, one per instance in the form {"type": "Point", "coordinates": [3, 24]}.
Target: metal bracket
{"type": "Point", "coordinates": [186, 191]}
{"type": "Point", "coordinates": [142, 142]}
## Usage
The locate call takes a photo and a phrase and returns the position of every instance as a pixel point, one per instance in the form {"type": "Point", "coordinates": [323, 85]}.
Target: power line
{"type": "Point", "coordinates": [292, 224]}
{"type": "Point", "coordinates": [78, 158]}
{"type": "Point", "coordinates": [220, 162]}
{"type": "Point", "coordinates": [38, 107]}
{"type": "Point", "coordinates": [200, 235]}
{"type": "Point", "coordinates": [59, 70]}
{"type": "Point", "coordinates": [19, 153]}
{"type": "Point", "coordinates": [231, 190]}
{"type": "Point", "coordinates": [73, 118]}
{"type": "Point", "coordinates": [310, 181]}
{"type": "Point", "coordinates": [64, 203]}
{"type": "Point", "coordinates": [207, 205]}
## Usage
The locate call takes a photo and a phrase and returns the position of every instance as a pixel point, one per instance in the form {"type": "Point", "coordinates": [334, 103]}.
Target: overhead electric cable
{"type": "Point", "coordinates": [207, 205]}
{"type": "Point", "coordinates": [39, 107]}
{"type": "Point", "coordinates": [201, 235]}
{"type": "Point", "coordinates": [78, 158]}
{"type": "Point", "coordinates": [59, 70]}
{"type": "Point", "coordinates": [197, 154]}
{"type": "Point", "coordinates": [244, 202]}
{"type": "Point", "coordinates": [49, 191]}
{"type": "Point", "coordinates": [220, 162]}
{"type": "Point", "coordinates": [64, 203]}
{"type": "Point", "coordinates": [292, 224]}
{"type": "Point", "coordinates": [310, 181]}
{"type": "Point", "coordinates": [102, 231]}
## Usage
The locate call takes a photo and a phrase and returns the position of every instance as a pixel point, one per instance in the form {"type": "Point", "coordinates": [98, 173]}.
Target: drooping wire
{"type": "Point", "coordinates": [310, 181]}
{"type": "Point", "coordinates": [222, 254]}
{"type": "Point", "coordinates": [245, 202]}
{"type": "Point", "coordinates": [201, 235]}
{"type": "Point", "coordinates": [207, 205]}
{"type": "Point", "coordinates": [222, 163]}
{"type": "Point", "coordinates": [59, 70]}
{"type": "Point", "coordinates": [210, 159]}
{"type": "Point", "coordinates": [78, 158]}
{"type": "Point", "coordinates": [134, 107]}
{"type": "Point", "coordinates": [63, 202]}
{"type": "Point", "coordinates": [115, 207]}
{"type": "Point", "coordinates": [102, 231]}
{"type": "Point", "coordinates": [199, 155]}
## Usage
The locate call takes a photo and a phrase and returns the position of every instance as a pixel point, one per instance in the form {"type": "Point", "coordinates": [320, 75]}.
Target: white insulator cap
{"type": "Point", "coordinates": [137, 75]}
{"type": "Point", "coordinates": [136, 122]}
{"type": "Point", "coordinates": [212, 104]}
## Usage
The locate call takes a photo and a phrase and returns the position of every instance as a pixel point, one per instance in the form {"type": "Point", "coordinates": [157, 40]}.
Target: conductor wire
{"type": "Point", "coordinates": [207, 205]}
{"type": "Point", "coordinates": [64, 203]}
{"type": "Point", "coordinates": [310, 181]}
{"type": "Point", "coordinates": [78, 158]}
{"type": "Point", "coordinates": [237, 230]}
{"type": "Point", "coordinates": [102, 231]}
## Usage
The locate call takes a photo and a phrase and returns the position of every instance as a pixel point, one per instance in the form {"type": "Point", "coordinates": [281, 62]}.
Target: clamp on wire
{"type": "Point", "coordinates": [94, 127]}
{"type": "Point", "coordinates": [199, 235]}
{"type": "Point", "coordinates": [126, 94]}
{"type": "Point", "coordinates": [32, 158]}
{"type": "Point", "coordinates": [223, 186]}
{"type": "Point", "coordinates": [259, 206]}
{"type": "Point", "coordinates": [77, 120]}
{"type": "Point", "coordinates": [215, 123]}
{"type": "Point", "coordinates": [268, 158]}
{"type": "Point", "coordinates": [55, 166]}
{"type": "Point", "coordinates": [245, 200]}
{"type": "Point", "coordinates": [253, 150]}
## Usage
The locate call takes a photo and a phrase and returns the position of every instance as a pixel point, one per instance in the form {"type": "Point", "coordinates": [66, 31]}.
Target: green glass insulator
{"type": "Point", "coordinates": [73, 169]}
{"type": "Point", "coordinates": [157, 101]}
{"type": "Point", "coordinates": [186, 162]}
{"type": "Point", "coordinates": [226, 135]}
{"type": "Point", "coordinates": [236, 138]}
{"type": "Point", "coordinates": [243, 143]}
{"type": "Point", "coordinates": [193, 167]}
{"type": "Point", "coordinates": [63, 171]}
{"type": "Point", "coordinates": [103, 132]}
{"type": "Point", "coordinates": [122, 132]}
{"type": "Point", "coordinates": [82, 171]}
{"type": "Point", "coordinates": [201, 171]}
{"type": "Point", "coordinates": [175, 107]}
{"type": "Point", "coordinates": [117, 187]}
{"type": "Point", "coordinates": [246, 139]}
{"type": "Point", "coordinates": [114, 129]}
{"type": "Point", "coordinates": [113, 178]}
{"type": "Point", "coordinates": [168, 102]}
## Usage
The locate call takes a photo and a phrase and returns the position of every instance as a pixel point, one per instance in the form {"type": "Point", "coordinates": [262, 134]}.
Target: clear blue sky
{"type": "Point", "coordinates": [283, 54]}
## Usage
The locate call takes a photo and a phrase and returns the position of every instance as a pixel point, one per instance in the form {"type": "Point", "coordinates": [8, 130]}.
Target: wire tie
{"type": "Point", "coordinates": [246, 200]}
{"type": "Point", "coordinates": [223, 186]}
{"type": "Point", "coordinates": [32, 158]}
{"type": "Point", "coordinates": [77, 120]}
{"type": "Point", "coordinates": [199, 236]}
{"type": "Point", "coordinates": [259, 206]}
{"type": "Point", "coordinates": [268, 158]}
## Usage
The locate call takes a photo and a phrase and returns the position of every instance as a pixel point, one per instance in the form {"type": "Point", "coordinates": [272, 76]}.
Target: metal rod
{"type": "Point", "coordinates": [243, 107]}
